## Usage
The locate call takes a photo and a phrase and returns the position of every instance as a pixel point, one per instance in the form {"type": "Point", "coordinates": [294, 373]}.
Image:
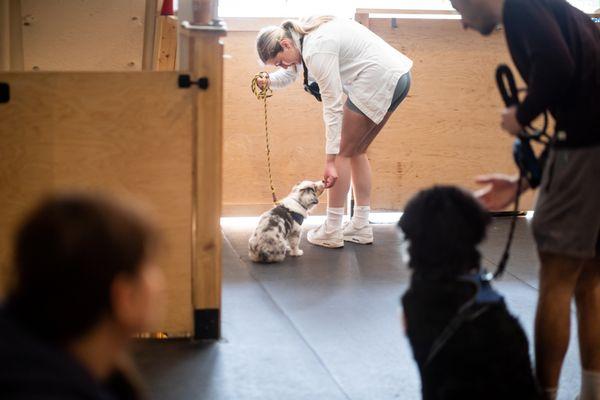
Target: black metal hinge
{"type": "Point", "coordinates": [4, 92]}
{"type": "Point", "coordinates": [185, 82]}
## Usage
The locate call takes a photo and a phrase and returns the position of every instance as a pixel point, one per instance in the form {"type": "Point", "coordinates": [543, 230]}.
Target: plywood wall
{"type": "Point", "coordinates": [447, 131]}
{"type": "Point", "coordinates": [83, 35]}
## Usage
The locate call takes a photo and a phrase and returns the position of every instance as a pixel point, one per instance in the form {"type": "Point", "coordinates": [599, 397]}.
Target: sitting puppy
{"type": "Point", "coordinates": [279, 229]}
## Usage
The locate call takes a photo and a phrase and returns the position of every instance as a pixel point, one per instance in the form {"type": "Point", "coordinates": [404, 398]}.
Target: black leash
{"type": "Point", "coordinates": [312, 88]}
{"type": "Point", "coordinates": [482, 300]}
{"type": "Point", "coordinates": [530, 166]}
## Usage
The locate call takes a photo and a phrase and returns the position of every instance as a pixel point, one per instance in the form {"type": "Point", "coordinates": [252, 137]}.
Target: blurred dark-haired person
{"type": "Point", "coordinates": [466, 343]}
{"type": "Point", "coordinates": [86, 281]}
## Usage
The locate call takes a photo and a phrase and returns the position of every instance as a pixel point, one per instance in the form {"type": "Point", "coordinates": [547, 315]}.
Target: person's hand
{"type": "Point", "coordinates": [330, 174]}
{"type": "Point", "coordinates": [509, 121]}
{"type": "Point", "coordinates": [263, 83]}
{"type": "Point", "coordinates": [500, 191]}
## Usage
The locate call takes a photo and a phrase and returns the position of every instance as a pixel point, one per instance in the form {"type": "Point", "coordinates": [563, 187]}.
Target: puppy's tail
{"type": "Point", "coordinates": [263, 256]}
{"type": "Point", "coordinates": [258, 256]}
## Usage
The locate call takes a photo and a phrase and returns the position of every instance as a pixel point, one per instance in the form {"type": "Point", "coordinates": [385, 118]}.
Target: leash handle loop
{"type": "Point", "coordinates": [263, 94]}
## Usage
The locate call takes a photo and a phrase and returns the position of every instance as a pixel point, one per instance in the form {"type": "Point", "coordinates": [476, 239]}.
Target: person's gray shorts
{"type": "Point", "coordinates": [567, 212]}
{"type": "Point", "coordinates": [400, 93]}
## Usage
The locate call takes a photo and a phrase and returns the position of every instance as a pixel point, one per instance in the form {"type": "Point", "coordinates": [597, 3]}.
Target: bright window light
{"type": "Point", "coordinates": [341, 8]}
{"type": "Point", "coordinates": [244, 223]}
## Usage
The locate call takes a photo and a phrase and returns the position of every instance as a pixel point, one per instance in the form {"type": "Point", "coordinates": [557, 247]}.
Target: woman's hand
{"type": "Point", "coordinates": [509, 121]}
{"type": "Point", "coordinates": [263, 83]}
{"type": "Point", "coordinates": [500, 192]}
{"type": "Point", "coordinates": [330, 174]}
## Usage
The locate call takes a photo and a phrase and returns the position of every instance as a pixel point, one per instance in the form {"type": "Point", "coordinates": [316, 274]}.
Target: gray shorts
{"type": "Point", "coordinates": [400, 93]}
{"type": "Point", "coordinates": [567, 211]}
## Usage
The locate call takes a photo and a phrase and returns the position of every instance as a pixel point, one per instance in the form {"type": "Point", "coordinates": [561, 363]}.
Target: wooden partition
{"type": "Point", "coordinates": [129, 134]}
{"type": "Point", "coordinates": [446, 131]}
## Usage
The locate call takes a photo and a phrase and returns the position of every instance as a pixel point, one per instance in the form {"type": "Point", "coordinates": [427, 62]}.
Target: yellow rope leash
{"type": "Point", "coordinates": [263, 94]}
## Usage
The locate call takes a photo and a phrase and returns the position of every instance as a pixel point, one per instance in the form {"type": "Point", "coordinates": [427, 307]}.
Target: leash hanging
{"type": "Point", "coordinates": [530, 167]}
{"type": "Point", "coordinates": [263, 94]}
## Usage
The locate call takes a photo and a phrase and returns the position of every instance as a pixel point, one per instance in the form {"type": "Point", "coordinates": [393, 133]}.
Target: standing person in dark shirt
{"type": "Point", "coordinates": [556, 48]}
{"type": "Point", "coordinates": [86, 281]}
{"type": "Point", "coordinates": [465, 341]}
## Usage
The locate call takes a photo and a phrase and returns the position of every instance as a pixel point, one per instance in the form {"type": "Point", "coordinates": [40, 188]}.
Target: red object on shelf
{"type": "Point", "coordinates": [167, 7]}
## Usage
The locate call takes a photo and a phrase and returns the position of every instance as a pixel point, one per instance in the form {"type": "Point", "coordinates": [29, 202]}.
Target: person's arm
{"type": "Point", "coordinates": [283, 77]}
{"type": "Point", "coordinates": [324, 67]}
{"type": "Point", "coordinates": [552, 66]}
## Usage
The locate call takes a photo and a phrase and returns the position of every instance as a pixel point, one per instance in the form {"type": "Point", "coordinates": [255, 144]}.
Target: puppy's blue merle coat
{"type": "Point", "coordinates": [279, 229]}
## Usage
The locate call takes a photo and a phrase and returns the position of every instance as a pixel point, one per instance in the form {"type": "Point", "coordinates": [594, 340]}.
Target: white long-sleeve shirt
{"type": "Point", "coordinates": [343, 56]}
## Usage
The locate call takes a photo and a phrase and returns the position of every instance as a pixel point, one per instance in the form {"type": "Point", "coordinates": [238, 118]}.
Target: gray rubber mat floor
{"type": "Point", "coordinates": [325, 325]}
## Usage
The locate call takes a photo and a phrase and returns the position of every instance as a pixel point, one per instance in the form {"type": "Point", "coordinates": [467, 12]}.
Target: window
{"type": "Point", "coordinates": [588, 6]}
{"type": "Point", "coordinates": [341, 8]}
{"type": "Point", "coordinates": [296, 8]}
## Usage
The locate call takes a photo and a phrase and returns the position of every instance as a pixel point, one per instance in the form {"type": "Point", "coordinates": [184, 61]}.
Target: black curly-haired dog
{"type": "Point", "coordinates": [466, 343]}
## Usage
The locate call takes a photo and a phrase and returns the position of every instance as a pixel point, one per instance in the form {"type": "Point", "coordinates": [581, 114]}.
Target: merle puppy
{"type": "Point", "coordinates": [279, 229]}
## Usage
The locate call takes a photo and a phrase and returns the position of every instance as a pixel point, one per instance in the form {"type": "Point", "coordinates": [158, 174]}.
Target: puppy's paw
{"type": "Point", "coordinates": [296, 253]}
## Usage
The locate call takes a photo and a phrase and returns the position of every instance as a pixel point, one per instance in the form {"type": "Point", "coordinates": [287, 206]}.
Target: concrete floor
{"type": "Point", "coordinates": [325, 325]}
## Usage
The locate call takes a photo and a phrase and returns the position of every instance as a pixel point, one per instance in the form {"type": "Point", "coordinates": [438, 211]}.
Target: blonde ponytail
{"type": "Point", "coordinates": [268, 39]}
{"type": "Point", "coordinates": [306, 25]}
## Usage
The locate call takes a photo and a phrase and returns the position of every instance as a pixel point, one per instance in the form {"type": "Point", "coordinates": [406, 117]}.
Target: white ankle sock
{"type": "Point", "coordinates": [361, 216]}
{"type": "Point", "coordinates": [550, 393]}
{"type": "Point", "coordinates": [334, 219]}
{"type": "Point", "coordinates": [590, 385]}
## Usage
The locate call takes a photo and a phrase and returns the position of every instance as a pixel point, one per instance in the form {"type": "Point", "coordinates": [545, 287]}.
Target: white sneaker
{"type": "Point", "coordinates": [362, 235]}
{"type": "Point", "coordinates": [320, 237]}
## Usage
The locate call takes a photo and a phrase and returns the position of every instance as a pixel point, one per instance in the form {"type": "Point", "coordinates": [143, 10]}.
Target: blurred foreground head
{"type": "Point", "coordinates": [83, 260]}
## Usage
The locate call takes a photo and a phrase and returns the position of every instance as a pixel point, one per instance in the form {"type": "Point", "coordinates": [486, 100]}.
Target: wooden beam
{"type": "Point", "coordinates": [4, 35]}
{"type": "Point", "coordinates": [206, 61]}
{"type": "Point", "coordinates": [17, 58]}
{"type": "Point", "coordinates": [150, 27]}
{"type": "Point", "coordinates": [167, 43]}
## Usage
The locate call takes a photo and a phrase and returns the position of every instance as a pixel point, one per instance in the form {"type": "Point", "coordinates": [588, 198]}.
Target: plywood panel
{"type": "Point", "coordinates": [447, 131]}
{"type": "Point", "coordinates": [25, 158]}
{"type": "Point", "coordinates": [124, 133]}
{"type": "Point", "coordinates": [83, 35]}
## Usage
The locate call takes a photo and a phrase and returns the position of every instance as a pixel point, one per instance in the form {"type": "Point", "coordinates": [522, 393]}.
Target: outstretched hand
{"type": "Point", "coordinates": [330, 175]}
{"type": "Point", "coordinates": [500, 191]}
